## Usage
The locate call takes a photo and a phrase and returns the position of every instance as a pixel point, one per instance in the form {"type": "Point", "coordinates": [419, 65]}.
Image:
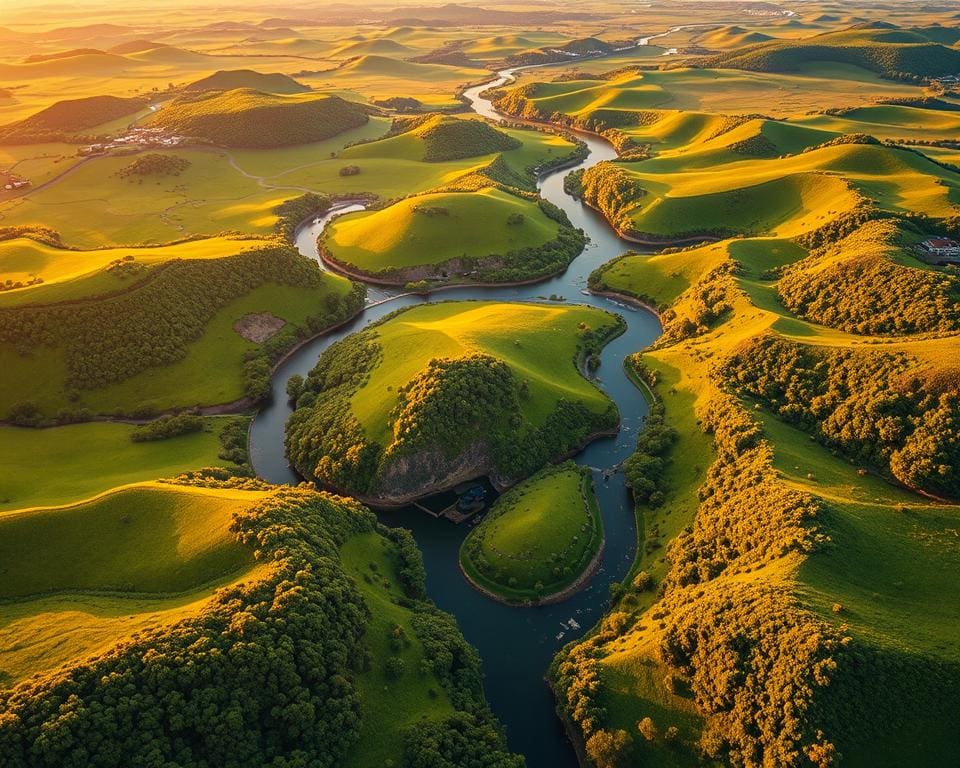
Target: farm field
{"type": "Point", "coordinates": [538, 538]}
{"type": "Point", "coordinates": [701, 358]}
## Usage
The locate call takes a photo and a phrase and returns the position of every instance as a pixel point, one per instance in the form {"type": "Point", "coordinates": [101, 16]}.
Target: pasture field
{"type": "Point", "coordinates": [92, 458]}
{"type": "Point", "coordinates": [123, 562]}
{"type": "Point", "coordinates": [538, 538]}
{"type": "Point", "coordinates": [238, 190]}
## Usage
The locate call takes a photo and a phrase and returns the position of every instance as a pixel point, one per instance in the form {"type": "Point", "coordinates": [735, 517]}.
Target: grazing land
{"type": "Point", "coordinates": [538, 539]}
{"type": "Point", "coordinates": [92, 458]}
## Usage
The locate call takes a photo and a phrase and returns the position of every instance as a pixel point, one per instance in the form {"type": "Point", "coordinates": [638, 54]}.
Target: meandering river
{"type": "Point", "coordinates": [516, 644]}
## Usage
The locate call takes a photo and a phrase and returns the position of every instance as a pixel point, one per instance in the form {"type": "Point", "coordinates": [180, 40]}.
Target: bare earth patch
{"type": "Point", "coordinates": [258, 327]}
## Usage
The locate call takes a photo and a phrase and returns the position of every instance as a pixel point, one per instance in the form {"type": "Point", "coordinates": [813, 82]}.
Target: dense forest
{"type": "Point", "coordinates": [265, 674]}
{"type": "Point", "coordinates": [447, 138]}
{"type": "Point", "coordinates": [857, 286]}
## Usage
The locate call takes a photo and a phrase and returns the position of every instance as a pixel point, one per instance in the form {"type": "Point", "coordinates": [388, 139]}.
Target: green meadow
{"type": "Point", "coordinates": [538, 538]}
{"type": "Point", "coordinates": [92, 458]}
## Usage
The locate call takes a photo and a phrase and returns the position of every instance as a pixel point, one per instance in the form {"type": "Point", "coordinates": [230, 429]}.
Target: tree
{"type": "Point", "coordinates": [608, 749]}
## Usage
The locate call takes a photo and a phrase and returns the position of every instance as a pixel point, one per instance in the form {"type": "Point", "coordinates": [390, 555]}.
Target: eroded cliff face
{"type": "Point", "coordinates": [407, 477]}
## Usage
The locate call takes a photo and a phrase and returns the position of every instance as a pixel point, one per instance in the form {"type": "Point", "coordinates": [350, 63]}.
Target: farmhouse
{"type": "Point", "coordinates": [15, 182]}
{"type": "Point", "coordinates": [940, 250]}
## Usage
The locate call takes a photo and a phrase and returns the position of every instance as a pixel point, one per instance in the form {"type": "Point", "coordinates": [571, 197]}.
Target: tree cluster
{"type": "Point", "coordinates": [166, 427]}
{"type": "Point", "coordinates": [878, 408]}
{"type": "Point", "coordinates": [155, 164]}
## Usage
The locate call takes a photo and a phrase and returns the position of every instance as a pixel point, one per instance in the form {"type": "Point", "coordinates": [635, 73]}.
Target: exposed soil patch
{"type": "Point", "coordinates": [258, 327]}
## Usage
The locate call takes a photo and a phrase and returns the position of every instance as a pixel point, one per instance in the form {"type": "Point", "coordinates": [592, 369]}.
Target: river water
{"type": "Point", "coordinates": [516, 644]}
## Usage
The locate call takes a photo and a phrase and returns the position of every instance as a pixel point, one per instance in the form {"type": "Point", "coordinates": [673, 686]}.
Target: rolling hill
{"type": "Point", "coordinates": [888, 52]}
{"type": "Point", "coordinates": [232, 79]}
{"type": "Point", "coordinates": [139, 580]}
{"type": "Point", "coordinates": [248, 118]}
{"type": "Point", "coordinates": [477, 390]}
{"type": "Point", "coordinates": [69, 116]}
{"type": "Point", "coordinates": [506, 237]}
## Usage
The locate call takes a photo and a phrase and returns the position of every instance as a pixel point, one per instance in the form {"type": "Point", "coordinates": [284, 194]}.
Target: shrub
{"type": "Point", "coordinates": [166, 427]}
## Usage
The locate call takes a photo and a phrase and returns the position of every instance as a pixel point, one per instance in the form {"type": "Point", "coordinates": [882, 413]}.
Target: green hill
{"type": "Point", "coordinates": [437, 138]}
{"type": "Point", "coordinates": [151, 599]}
{"type": "Point", "coordinates": [248, 118]}
{"type": "Point", "coordinates": [69, 116]}
{"type": "Point", "coordinates": [152, 343]}
{"type": "Point", "coordinates": [888, 52]}
{"type": "Point", "coordinates": [442, 393]}
{"type": "Point", "coordinates": [232, 79]}
{"type": "Point", "coordinates": [539, 538]}
{"type": "Point", "coordinates": [487, 235]}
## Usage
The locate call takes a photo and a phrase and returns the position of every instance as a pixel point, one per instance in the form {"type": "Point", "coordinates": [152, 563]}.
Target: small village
{"type": "Point", "coordinates": [941, 251]}
{"type": "Point", "coordinates": [135, 138]}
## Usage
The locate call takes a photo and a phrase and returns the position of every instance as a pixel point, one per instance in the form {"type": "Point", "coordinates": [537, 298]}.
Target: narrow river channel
{"type": "Point", "coordinates": [516, 644]}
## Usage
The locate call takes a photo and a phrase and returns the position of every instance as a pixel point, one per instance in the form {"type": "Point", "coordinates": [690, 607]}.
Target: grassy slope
{"type": "Point", "coordinates": [786, 196]}
{"type": "Point", "coordinates": [59, 465]}
{"type": "Point", "coordinates": [537, 341]}
{"type": "Point", "coordinates": [116, 564]}
{"type": "Point", "coordinates": [388, 706]}
{"type": "Point", "coordinates": [720, 91]}
{"type": "Point", "coordinates": [68, 274]}
{"type": "Point", "coordinates": [401, 236]}
{"type": "Point", "coordinates": [894, 572]}
{"type": "Point", "coordinates": [551, 514]}
{"type": "Point", "coordinates": [39, 377]}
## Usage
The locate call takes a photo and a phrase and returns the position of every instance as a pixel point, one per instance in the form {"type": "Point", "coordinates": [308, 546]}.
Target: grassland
{"type": "Point", "coordinates": [538, 539]}
{"type": "Point", "coordinates": [70, 275]}
{"type": "Point", "coordinates": [416, 232]}
{"type": "Point", "coordinates": [91, 458]}
{"type": "Point", "coordinates": [124, 562]}
{"type": "Point", "coordinates": [717, 92]}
